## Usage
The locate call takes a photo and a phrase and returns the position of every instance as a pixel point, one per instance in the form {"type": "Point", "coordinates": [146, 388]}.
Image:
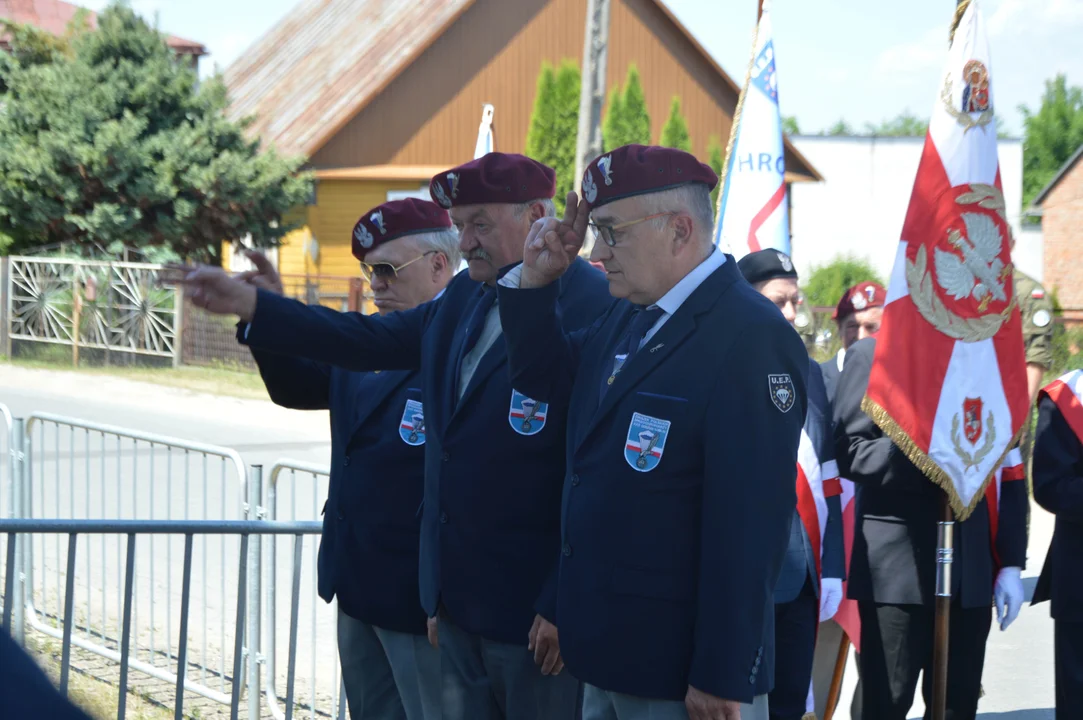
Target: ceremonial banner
{"type": "Point", "coordinates": [948, 382]}
{"type": "Point", "coordinates": [484, 145]}
{"type": "Point", "coordinates": [752, 208]}
{"type": "Point", "coordinates": [847, 616]}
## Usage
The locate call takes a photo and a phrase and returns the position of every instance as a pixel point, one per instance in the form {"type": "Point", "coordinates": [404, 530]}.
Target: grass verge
{"type": "Point", "coordinates": [216, 381]}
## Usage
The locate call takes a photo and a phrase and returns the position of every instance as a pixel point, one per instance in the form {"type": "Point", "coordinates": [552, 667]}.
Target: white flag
{"type": "Point", "coordinates": [752, 208]}
{"type": "Point", "coordinates": [484, 144]}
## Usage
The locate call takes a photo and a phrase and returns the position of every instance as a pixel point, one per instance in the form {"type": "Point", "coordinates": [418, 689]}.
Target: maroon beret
{"type": "Point", "coordinates": [640, 169]}
{"type": "Point", "coordinates": [860, 297]}
{"type": "Point", "coordinates": [394, 219]}
{"type": "Point", "coordinates": [494, 178]}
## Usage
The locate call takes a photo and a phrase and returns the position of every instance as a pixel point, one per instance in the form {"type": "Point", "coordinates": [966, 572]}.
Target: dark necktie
{"type": "Point", "coordinates": [642, 320]}
{"type": "Point", "coordinates": [474, 326]}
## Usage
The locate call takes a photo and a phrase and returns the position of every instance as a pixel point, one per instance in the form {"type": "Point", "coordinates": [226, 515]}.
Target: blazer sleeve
{"type": "Point", "coordinates": [292, 382]}
{"type": "Point", "coordinates": [749, 495]}
{"type": "Point", "coordinates": [350, 340]}
{"type": "Point", "coordinates": [1057, 458]}
{"type": "Point", "coordinates": [863, 452]}
{"type": "Point", "coordinates": [542, 357]}
{"type": "Point", "coordinates": [1011, 539]}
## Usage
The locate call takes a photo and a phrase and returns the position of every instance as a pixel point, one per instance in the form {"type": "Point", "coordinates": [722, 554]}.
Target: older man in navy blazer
{"type": "Point", "coordinates": [369, 549]}
{"type": "Point", "coordinates": [490, 526]}
{"type": "Point", "coordinates": [685, 406]}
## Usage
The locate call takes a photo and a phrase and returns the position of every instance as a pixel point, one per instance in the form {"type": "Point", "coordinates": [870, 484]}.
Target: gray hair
{"type": "Point", "coordinates": [547, 203]}
{"type": "Point", "coordinates": [692, 198]}
{"type": "Point", "coordinates": [445, 242]}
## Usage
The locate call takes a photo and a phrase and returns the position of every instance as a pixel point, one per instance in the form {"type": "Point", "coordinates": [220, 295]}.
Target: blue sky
{"type": "Point", "coordinates": [859, 60]}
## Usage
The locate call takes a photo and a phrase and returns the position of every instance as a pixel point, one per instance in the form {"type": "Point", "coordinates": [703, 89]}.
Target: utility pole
{"type": "Point", "coordinates": [588, 144]}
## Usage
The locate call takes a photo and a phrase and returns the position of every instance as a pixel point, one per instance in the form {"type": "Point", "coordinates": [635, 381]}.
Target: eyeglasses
{"type": "Point", "coordinates": [605, 232]}
{"type": "Point", "coordinates": [386, 271]}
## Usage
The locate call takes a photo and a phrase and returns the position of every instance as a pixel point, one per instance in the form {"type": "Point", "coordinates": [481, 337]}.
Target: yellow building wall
{"type": "Point", "coordinates": [339, 203]}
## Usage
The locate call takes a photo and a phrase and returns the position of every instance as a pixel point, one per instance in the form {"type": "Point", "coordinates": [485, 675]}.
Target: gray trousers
{"type": "Point", "coordinates": [823, 669]}
{"type": "Point", "coordinates": [600, 704]}
{"type": "Point", "coordinates": [388, 675]}
{"type": "Point", "coordinates": [487, 680]}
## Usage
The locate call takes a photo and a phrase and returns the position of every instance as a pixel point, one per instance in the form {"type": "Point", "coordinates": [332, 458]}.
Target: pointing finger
{"type": "Point", "coordinates": [582, 216]}
{"type": "Point", "coordinates": [262, 263]}
{"type": "Point", "coordinates": [570, 210]}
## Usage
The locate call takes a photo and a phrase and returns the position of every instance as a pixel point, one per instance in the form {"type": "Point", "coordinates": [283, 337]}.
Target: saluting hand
{"type": "Point", "coordinates": [702, 706]}
{"type": "Point", "coordinates": [552, 244]}
{"type": "Point", "coordinates": [545, 642]}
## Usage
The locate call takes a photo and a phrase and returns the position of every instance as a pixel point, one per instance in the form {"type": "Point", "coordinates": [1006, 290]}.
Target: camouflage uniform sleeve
{"type": "Point", "coordinates": [1036, 310]}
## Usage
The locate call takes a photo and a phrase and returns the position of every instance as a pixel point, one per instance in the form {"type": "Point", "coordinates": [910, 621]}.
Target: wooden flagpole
{"type": "Point", "coordinates": [835, 689]}
{"type": "Point", "coordinates": [945, 550]}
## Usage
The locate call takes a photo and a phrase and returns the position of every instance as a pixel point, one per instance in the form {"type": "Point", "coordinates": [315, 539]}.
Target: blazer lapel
{"type": "Point", "coordinates": [371, 390]}
{"type": "Point", "coordinates": [493, 358]}
{"type": "Point", "coordinates": [676, 330]}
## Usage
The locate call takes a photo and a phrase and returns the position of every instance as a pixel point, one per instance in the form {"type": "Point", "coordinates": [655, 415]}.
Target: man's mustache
{"type": "Point", "coordinates": [478, 254]}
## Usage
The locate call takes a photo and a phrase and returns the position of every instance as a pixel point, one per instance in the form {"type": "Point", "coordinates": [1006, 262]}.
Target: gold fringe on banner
{"type": "Point", "coordinates": [960, 10]}
{"type": "Point", "coordinates": [926, 465]}
{"type": "Point", "coordinates": [733, 135]}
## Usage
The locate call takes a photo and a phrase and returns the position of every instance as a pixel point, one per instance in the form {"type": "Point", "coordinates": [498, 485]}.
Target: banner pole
{"type": "Point", "coordinates": [945, 550]}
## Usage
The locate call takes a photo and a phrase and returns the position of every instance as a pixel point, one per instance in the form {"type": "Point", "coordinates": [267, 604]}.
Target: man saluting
{"type": "Point", "coordinates": [685, 406]}
{"type": "Point", "coordinates": [491, 510]}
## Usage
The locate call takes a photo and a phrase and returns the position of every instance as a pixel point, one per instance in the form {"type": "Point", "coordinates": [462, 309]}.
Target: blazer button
{"type": "Point", "coordinates": [341, 516]}
{"type": "Point", "coordinates": [443, 518]}
{"type": "Point", "coordinates": [752, 679]}
{"type": "Point", "coordinates": [346, 461]}
{"type": "Point", "coordinates": [575, 480]}
{"type": "Point", "coordinates": [567, 550]}
{"type": "Point", "coordinates": [446, 457]}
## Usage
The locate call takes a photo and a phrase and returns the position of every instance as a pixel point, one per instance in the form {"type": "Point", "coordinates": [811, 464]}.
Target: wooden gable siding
{"type": "Point", "coordinates": [429, 114]}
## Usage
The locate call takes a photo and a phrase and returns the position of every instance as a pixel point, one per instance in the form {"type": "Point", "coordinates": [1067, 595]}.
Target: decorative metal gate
{"type": "Point", "coordinates": [116, 306]}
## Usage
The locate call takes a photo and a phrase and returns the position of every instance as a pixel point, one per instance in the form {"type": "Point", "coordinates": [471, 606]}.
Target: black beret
{"type": "Point", "coordinates": [765, 265]}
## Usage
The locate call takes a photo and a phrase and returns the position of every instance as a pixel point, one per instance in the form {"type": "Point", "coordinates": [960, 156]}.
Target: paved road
{"type": "Point", "coordinates": [1019, 664]}
{"type": "Point", "coordinates": [81, 474]}
{"type": "Point", "coordinates": [1018, 677]}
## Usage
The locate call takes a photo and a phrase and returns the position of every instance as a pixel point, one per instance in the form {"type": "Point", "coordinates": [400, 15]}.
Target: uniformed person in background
{"type": "Point", "coordinates": [494, 455]}
{"type": "Point", "coordinates": [686, 406]}
{"type": "Point", "coordinates": [857, 316]}
{"type": "Point", "coordinates": [1036, 312]}
{"type": "Point", "coordinates": [1058, 487]}
{"type": "Point", "coordinates": [809, 587]}
{"type": "Point", "coordinates": [892, 564]}
{"type": "Point", "coordinates": [369, 548]}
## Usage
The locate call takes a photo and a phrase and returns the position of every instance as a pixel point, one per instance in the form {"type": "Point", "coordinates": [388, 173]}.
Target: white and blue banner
{"type": "Point", "coordinates": [752, 208]}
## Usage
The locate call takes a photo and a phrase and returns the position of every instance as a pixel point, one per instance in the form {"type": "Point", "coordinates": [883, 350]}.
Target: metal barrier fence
{"type": "Point", "coordinates": [78, 470]}
{"type": "Point", "coordinates": [302, 488]}
{"type": "Point", "coordinates": [131, 529]}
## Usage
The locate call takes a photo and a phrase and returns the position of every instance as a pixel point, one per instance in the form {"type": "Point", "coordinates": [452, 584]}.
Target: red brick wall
{"type": "Point", "coordinates": [1062, 235]}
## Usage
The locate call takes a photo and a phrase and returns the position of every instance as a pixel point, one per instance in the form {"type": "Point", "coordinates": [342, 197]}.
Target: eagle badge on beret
{"type": "Point", "coordinates": [858, 301]}
{"type": "Point", "coordinates": [453, 183]}
{"type": "Point", "coordinates": [590, 189]}
{"type": "Point", "coordinates": [363, 236]}
{"type": "Point", "coordinates": [441, 197]}
{"type": "Point", "coordinates": [787, 265]}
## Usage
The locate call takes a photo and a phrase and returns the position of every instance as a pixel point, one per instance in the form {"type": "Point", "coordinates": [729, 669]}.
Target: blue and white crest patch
{"type": "Point", "coordinates": [412, 425]}
{"type": "Point", "coordinates": [526, 416]}
{"type": "Point", "coordinates": [783, 393]}
{"type": "Point", "coordinates": [646, 442]}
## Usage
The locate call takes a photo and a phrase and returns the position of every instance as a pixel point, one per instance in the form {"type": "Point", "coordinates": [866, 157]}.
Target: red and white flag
{"type": "Point", "coordinates": [948, 381]}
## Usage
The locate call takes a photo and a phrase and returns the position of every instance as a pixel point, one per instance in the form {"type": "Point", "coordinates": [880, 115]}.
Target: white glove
{"type": "Point", "coordinates": [831, 597]}
{"type": "Point", "coordinates": [1008, 595]}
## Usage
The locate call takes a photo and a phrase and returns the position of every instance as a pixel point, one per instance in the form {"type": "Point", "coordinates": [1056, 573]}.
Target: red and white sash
{"type": "Point", "coordinates": [816, 482]}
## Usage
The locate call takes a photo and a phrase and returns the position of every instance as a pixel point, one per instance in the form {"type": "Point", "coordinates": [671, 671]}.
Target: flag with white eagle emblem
{"type": "Point", "coordinates": [948, 382]}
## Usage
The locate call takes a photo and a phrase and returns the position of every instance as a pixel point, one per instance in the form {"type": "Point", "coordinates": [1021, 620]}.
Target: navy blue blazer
{"type": "Point", "coordinates": [1058, 487]}
{"type": "Point", "coordinates": [799, 564]}
{"type": "Point", "coordinates": [679, 486]}
{"type": "Point", "coordinates": [369, 548]}
{"type": "Point", "coordinates": [490, 524]}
